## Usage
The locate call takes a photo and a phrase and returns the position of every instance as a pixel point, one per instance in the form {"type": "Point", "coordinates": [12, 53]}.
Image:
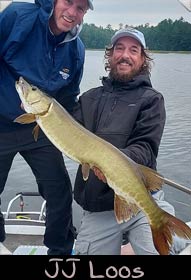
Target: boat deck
{"type": "Point", "coordinates": [12, 242]}
{"type": "Point", "coordinates": [25, 231]}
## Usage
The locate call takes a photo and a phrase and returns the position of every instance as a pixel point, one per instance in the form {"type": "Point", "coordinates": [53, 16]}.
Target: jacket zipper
{"type": "Point", "coordinates": [112, 108]}
{"type": "Point", "coordinates": [114, 104]}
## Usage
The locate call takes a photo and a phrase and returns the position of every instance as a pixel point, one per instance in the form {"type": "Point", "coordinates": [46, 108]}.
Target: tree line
{"type": "Point", "coordinates": [168, 35]}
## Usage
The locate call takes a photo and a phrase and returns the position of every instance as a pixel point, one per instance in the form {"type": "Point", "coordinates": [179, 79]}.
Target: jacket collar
{"type": "Point", "coordinates": [138, 81]}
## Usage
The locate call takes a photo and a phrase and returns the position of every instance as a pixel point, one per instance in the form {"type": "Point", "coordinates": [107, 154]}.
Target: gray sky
{"type": "Point", "coordinates": [135, 12]}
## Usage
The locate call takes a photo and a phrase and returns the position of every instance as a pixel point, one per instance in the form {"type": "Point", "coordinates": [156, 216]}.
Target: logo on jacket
{"type": "Point", "coordinates": [64, 73]}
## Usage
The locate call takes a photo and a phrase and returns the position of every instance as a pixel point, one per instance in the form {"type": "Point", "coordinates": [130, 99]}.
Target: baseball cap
{"type": "Point", "coordinates": [129, 32]}
{"type": "Point", "coordinates": [90, 4]}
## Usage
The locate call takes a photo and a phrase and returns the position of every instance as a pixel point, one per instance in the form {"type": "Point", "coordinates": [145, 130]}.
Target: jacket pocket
{"type": "Point", "coordinates": [81, 247]}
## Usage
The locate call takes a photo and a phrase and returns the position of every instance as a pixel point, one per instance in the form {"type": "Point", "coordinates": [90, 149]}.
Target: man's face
{"type": "Point", "coordinates": [67, 14]}
{"type": "Point", "coordinates": [126, 60]}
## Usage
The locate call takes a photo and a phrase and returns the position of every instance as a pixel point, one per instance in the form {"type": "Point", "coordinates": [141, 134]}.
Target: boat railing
{"type": "Point", "coordinates": [20, 196]}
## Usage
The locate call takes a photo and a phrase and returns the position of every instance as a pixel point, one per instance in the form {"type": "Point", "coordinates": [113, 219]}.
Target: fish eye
{"type": "Point", "coordinates": [33, 88]}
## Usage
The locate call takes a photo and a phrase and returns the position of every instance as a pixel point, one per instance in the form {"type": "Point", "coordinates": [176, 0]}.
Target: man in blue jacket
{"type": "Point", "coordinates": [40, 42]}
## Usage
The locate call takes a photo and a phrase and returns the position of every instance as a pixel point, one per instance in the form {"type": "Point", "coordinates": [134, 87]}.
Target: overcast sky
{"type": "Point", "coordinates": [135, 12]}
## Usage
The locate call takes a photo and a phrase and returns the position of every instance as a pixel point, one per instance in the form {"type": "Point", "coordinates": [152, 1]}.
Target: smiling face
{"type": "Point", "coordinates": [67, 14]}
{"type": "Point", "coordinates": [126, 60]}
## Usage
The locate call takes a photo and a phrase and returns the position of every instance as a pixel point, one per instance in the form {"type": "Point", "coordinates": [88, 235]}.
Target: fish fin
{"type": "Point", "coordinates": [123, 210]}
{"type": "Point", "coordinates": [26, 118]}
{"type": "Point", "coordinates": [162, 234]}
{"type": "Point", "coordinates": [152, 179]}
{"type": "Point", "coordinates": [85, 171]}
{"type": "Point", "coordinates": [35, 132]}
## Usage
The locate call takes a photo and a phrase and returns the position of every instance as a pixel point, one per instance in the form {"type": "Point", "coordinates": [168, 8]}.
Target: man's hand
{"type": "Point", "coordinates": [99, 174]}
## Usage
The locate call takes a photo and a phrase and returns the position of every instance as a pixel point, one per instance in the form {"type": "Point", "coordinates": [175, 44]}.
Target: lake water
{"type": "Point", "coordinates": [171, 75]}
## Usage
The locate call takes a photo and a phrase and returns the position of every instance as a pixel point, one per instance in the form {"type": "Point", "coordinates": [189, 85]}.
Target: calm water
{"type": "Point", "coordinates": [171, 75]}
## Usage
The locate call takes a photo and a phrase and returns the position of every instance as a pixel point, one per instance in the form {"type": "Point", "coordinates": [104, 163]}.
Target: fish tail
{"type": "Point", "coordinates": [169, 226]}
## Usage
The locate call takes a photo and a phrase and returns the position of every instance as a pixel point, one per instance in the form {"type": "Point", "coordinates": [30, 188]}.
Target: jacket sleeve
{"type": "Point", "coordinates": [74, 87]}
{"type": "Point", "coordinates": [67, 96]}
{"type": "Point", "coordinates": [7, 20]}
{"type": "Point", "coordinates": [144, 141]}
{"type": "Point", "coordinates": [77, 112]}
{"type": "Point", "coordinates": [17, 18]}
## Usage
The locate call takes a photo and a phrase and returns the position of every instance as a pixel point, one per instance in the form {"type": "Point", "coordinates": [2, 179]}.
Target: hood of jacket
{"type": "Point", "coordinates": [48, 8]}
{"type": "Point", "coordinates": [47, 5]}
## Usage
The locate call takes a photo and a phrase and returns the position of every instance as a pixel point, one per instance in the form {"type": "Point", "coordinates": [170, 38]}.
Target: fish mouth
{"type": "Point", "coordinates": [23, 88]}
{"type": "Point", "coordinates": [24, 92]}
{"type": "Point", "coordinates": [19, 88]}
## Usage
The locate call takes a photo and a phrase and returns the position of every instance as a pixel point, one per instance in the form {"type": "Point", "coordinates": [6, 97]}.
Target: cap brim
{"type": "Point", "coordinates": [126, 34]}
{"type": "Point", "coordinates": [90, 5]}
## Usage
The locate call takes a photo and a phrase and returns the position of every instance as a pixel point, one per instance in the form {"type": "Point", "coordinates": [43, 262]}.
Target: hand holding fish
{"type": "Point", "coordinates": [99, 174]}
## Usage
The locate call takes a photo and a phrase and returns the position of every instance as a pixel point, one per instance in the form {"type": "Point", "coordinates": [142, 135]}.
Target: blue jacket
{"type": "Point", "coordinates": [29, 49]}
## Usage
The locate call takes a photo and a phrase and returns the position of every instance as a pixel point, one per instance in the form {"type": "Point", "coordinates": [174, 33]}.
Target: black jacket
{"type": "Point", "coordinates": [130, 116]}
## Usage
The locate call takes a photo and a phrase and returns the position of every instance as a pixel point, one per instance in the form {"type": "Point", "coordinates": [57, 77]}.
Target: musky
{"type": "Point", "coordinates": [135, 12]}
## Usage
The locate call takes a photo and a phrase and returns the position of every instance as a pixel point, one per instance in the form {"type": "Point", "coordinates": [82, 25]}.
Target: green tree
{"type": "Point", "coordinates": [168, 35]}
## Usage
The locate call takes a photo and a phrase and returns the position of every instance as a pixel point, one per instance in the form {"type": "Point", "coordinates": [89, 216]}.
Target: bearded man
{"type": "Point", "coordinates": [127, 112]}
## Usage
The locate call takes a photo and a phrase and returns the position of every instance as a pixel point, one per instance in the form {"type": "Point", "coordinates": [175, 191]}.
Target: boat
{"type": "Point", "coordinates": [186, 4]}
{"type": "Point", "coordinates": [24, 229]}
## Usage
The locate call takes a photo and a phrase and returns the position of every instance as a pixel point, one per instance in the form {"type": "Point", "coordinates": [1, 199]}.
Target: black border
{"type": "Point", "coordinates": [153, 267]}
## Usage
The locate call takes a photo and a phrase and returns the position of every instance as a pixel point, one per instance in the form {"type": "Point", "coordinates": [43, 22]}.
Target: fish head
{"type": "Point", "coordinates": [33, 99]}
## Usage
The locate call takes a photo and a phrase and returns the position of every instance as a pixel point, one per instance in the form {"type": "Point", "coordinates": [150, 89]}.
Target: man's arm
{"type": "Point", "coordinates": [145, 138]}
{"type": "Point", "coordinates": [7, 20]}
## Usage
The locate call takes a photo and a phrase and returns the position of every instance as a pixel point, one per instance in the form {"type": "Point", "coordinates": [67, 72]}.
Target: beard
{"type": "Point", "coordinates": [122, 77]}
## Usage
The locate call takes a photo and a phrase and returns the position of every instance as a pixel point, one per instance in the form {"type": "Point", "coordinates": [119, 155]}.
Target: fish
{"type": "Point", "coordinates": [132, 183]}
{"type": "Point", "coordinates": [186, 4]}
